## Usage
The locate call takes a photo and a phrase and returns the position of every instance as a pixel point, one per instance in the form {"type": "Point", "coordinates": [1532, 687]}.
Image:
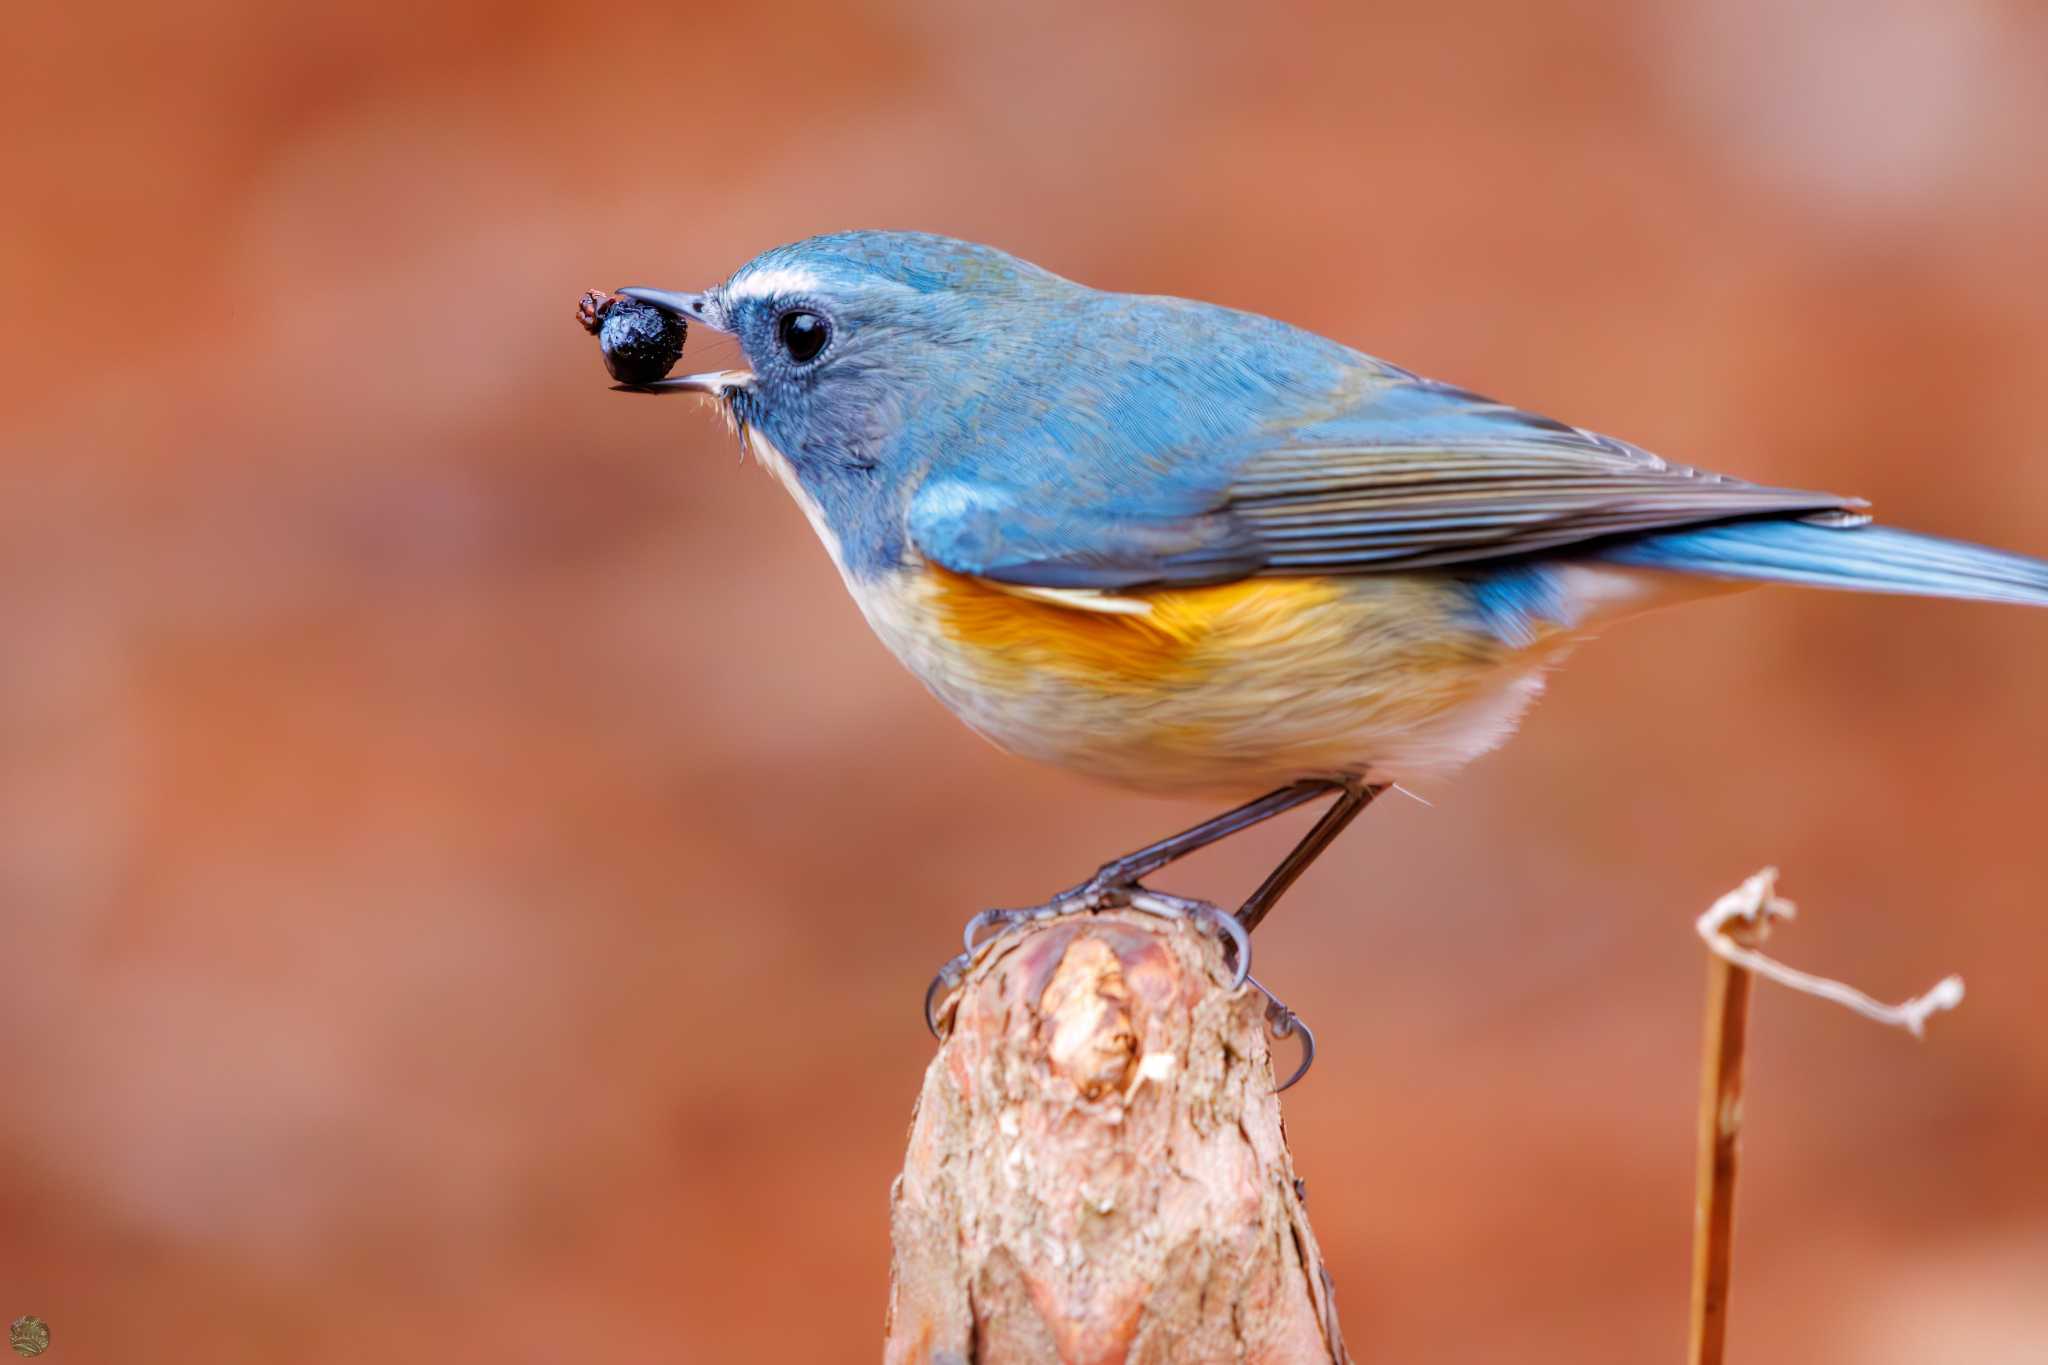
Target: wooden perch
{"type": "Point", "coordinates": [1097, 1170]}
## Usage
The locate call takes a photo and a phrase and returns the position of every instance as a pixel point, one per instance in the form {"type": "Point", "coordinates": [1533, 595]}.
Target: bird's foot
{"type": "Point", "coordinates": [1096, 894]}
{"type": "Point", "coordinates": [1281, 1023]}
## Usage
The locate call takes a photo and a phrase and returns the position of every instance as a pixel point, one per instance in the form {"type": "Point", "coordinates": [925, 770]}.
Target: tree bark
{"type": "Point", "coordinates": [1097, 1171]}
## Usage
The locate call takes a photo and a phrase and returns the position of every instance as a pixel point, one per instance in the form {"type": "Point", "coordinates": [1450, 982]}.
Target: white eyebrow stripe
{"type": "Point", "coordinates": [772, 281]}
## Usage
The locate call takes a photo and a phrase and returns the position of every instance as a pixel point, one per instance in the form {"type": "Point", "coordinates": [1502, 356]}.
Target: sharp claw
{"type": "Point", "coordinates": [1308, 1051]}
{"type": "Point", "coordinates": [946, 978]}
{"type": "Point", "coordinates": [1282, 1022]}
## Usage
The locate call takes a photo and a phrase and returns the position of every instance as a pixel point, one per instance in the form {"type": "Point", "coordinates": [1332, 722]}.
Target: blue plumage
{"type": "Point", "coordinates": [1516, 603]}
{"type": "Point", "coordinates": [1187, 549]}
{"type": "Point", "coordinates": [1131, 463]}
{"type": "Point", "coordinates": [1858, 558]}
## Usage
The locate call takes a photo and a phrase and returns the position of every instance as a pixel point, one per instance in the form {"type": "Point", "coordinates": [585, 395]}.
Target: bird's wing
{"type": "Point", "coordinates": [1415, 474]}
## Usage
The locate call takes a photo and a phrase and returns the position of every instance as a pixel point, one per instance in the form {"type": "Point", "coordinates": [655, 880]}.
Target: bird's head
{"type": "Point", "coordinates": [861, 347]}
{"type": "Point", "coordinates": [874, 357]}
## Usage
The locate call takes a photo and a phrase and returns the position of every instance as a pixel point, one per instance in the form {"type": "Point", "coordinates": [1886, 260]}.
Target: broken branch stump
{"type": "Point", "coordinates": [1097, 1171]}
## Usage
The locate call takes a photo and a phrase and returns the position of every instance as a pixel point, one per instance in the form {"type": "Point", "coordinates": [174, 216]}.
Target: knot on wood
{"type": "Point", "coordinates": [1086, 1019]}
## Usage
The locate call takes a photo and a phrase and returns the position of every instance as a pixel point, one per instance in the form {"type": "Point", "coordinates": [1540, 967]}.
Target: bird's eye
{"type": "Point", "coordinates": [802, 334]}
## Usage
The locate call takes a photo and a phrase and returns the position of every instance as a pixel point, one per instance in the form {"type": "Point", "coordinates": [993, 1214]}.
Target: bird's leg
{"type": "Point", "coordinates": [1282, 1022]}
{"type": "Point", "coordinates": [1354, 797]}
{"type": "Point", "coordinates": [1122, 874]}
{"type": "Point", "coordinates": [1117, 883]}
{"type": "Point", "coordinates": [1117, 880]}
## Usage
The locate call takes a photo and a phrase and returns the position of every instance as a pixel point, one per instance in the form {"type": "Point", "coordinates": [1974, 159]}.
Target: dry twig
{"type": "Point", "coordinates": [1732, 928]}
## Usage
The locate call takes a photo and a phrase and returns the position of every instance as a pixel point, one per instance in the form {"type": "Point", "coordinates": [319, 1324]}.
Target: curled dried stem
{"type": "Point", "coordinates": [1732, 928]}
{"type": "Point", "coordinates": [1757, 903]}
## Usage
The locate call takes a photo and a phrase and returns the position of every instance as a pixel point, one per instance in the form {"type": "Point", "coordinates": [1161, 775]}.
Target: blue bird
{"type": "Point", "coordinates": [1187, 549]}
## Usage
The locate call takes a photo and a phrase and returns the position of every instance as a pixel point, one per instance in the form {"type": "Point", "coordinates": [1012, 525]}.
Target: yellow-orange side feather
{"type": "Point", "coordinates": [1184, 636]}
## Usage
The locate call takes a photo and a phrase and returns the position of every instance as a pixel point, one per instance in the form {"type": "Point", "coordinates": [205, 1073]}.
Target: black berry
{"type": "Point", "coordinates": [641, 343]}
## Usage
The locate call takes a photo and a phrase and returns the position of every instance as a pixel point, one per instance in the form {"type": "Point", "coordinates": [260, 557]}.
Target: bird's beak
{"type": "Point", "coordinates": [695, 307]}
{"type": "Point", "coordinates": [712, 384]}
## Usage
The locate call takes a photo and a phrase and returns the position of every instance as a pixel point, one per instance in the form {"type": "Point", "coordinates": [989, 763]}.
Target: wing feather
{"type": "Point", "coordinates": [1412, 475]}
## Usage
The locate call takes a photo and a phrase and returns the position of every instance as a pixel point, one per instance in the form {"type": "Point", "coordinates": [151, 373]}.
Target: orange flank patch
{"type": "Point", "coordinates": [1186, 634]}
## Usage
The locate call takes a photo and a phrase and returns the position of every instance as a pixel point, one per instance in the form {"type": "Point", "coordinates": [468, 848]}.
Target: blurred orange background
{"type": "Point", "coordinates": [469, 874]}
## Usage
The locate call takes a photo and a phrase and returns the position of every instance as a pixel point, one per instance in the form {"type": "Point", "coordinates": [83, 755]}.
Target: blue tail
{"type": "Point", "coordinates": [1860, 558]}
